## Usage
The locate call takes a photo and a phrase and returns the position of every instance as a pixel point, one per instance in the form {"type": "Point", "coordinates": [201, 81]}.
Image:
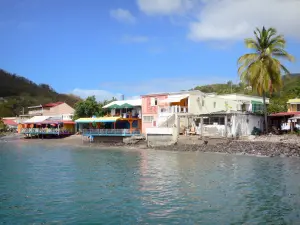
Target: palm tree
{"type": "Point", "coordinates": [262, 69]}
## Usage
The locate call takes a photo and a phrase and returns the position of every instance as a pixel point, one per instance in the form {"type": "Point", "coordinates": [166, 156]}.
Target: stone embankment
{"type": "Point", "coordinates": [284, 146]}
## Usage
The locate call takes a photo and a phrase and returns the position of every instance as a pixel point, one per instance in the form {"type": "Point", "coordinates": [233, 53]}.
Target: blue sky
{"type": "Point", "coordinates": [133, 47]}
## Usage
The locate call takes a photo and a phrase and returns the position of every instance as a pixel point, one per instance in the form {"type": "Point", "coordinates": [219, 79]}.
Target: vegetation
{"type": "Point", "coordinates": [262, 69]}
{"type": "Point", "coordinates": [3, 127]}
{"type": "Point", "coordinates": [90, 107]}
{"type": "Point", "coordinates": [17, 93]}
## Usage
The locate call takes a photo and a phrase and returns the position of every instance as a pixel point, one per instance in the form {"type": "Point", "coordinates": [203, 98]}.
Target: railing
{"type": "Point", "coordinates": [173, 109]}
{"type": "Point", "coordinates": [45, 131]}
{"type": "Point", "coordinates": [33, 112]}
{"type": "Point", "coordinates": [110, 132]}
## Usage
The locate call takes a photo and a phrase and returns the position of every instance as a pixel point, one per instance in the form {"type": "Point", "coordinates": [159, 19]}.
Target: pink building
{"type": "Point", "coordinates": [150, 104]}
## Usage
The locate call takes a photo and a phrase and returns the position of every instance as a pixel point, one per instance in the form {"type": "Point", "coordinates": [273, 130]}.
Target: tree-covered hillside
{"type": "Point", "coordinates": [290, 89]}
{"type": "Point", "coordinates": [17, 92]}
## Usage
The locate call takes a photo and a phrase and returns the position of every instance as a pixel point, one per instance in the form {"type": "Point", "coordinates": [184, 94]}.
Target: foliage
{"type": "Point", "coordinates": [3, 127]}
{"type": "Point", "coordinates": [256, 131]}
{"type": "Point", "coordinates": [17, 92]}
{"type": "Point", "coordinates": [90, 107]}
{"type": "Point", "coordinates": [262, 69]}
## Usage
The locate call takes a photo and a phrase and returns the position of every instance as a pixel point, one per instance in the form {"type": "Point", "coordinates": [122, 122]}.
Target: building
{"type": "Point", "coordinates": [286, 121]}
{"type": "Point", "coordinates": [10, 122]}
{"type": "Point", "coordinates": [182, 109]}
{"type": "Point", "coordinates": [122, 119]}
{"type": "Point", "coordinates": [48, 119]}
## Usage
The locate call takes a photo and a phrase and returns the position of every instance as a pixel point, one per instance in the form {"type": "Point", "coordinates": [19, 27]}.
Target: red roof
{"type": "Point", "coordinates": [285, 114]}
{"type": "Point", "coordinates": [52, 104]}
{"type": "Point", "coordinates": [9, 122]}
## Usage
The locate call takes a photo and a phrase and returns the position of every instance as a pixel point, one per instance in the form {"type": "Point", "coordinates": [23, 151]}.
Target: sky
{"type": "Point", "coordinates": [111, 47]}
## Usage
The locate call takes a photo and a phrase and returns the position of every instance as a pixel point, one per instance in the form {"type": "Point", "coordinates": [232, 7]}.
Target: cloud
{"type": "Point", "coordinates": [221, 20]}
{"type": "Point", "coordinates": [99, 94]}
{"type": "Point", "coordinates": [123, 15]}
{"type": "Point", "coordinates": [164, 7]}
{"type": "Point", "coordinates": [134, 39]}
{"type": "Point", "coordinates": [227, 20]}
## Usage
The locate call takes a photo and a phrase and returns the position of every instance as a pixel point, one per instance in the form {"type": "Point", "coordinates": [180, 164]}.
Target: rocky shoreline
{"type": "Point", "coordinates": [271, 146]}
{"type": "Point", "coordinates": [257, 148]}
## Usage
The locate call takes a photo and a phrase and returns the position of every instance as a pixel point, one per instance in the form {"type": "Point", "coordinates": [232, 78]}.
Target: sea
{"type": "Point", "coordinates": [64, 184]}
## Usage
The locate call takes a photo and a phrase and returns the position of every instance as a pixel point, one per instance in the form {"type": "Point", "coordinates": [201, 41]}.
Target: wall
{"type": "Point", "coordinates": [59, 109]}
{"type": "Point", "coordinates": [242, 125]}
{"type": "Point", "coordinates": [292, 107]}
{"type": "Point", "coordinates": [98, 139]}
{"type": "Point", "coordinates": [149, 110]}
{"type": "Point", "coordinates": [195, 104]}
{"type": "Point", "coordinates": [240, 97]}
{"type": "Point", "coordinates": [161, 136]}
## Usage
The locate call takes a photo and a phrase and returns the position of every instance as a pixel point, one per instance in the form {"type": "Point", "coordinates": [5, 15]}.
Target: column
{"type": "Point", "coordinates": [202, 126]}
{"type": "Point", "coordinates": [226, 120]}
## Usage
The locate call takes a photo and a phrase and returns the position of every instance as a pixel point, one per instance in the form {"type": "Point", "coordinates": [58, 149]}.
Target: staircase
{"type": "Point", "coordinates": [166, 121]}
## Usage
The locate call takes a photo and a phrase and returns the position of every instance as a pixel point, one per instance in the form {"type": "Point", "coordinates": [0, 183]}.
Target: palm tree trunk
{"type": "Point", "coordinates": [265, 112]}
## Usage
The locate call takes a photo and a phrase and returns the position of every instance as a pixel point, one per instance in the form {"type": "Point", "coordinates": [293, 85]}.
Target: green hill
{"type": "Point", "coordinates": [290, 89]}
{"type": "Point", "coordinates": [17, 92]}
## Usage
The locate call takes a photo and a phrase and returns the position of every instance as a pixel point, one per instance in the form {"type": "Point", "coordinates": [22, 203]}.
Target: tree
{"type": "Point", "coordinates": [90, 107]}
{"type": "Point", "coordinates": [262, 69]}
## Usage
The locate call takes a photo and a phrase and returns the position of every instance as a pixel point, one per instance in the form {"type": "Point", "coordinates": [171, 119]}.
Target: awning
{"type": "Point", "coordinates": [285, 114]}
{"type": "Point", "coordinates": [294, 101]}
{"type": "Point", "coordinates": [98, 120]}
{"type": "Point", "coordinates": [174, 98]}
{"type": "Point", "coordinates": [36, 119]}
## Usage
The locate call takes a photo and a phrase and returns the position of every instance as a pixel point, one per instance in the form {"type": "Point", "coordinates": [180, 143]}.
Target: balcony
{"type": "Point", "coordinates": [172, 109]}
{"type": "Point", "coordinates": [44, 131]}
{"type": "Point", "coordinates": [111, 132]}
{"type": "Point", "coordinates": [35, 112]}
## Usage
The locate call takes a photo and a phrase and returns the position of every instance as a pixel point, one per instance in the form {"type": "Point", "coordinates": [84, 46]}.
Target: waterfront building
{"type": "Point", "coordinates": [221, 115]}
{"type": "Point", "coordinates": [122, 119]}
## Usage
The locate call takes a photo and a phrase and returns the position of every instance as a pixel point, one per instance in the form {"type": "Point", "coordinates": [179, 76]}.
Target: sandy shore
{"type": "Point", "coordinates": [273, 145]}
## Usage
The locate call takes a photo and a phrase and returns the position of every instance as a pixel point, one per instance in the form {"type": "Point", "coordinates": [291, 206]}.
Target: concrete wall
{"type": "Point", "coordinates": [108, 139]}
{"type": "Point", "coordinates": [161, 136]}
{"type": "Point", "coordinates": [239, 125]}
{"type": "Point", "coordinates": [211, 104]}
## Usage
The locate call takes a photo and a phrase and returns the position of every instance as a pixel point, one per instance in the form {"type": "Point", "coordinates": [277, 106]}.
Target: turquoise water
{"type": "Point", "coordinates": [42, 184]}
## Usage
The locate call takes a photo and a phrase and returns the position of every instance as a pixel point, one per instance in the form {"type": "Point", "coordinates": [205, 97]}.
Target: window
{"type": "Point", "coordinates": [153, 101]}
{"type": "Point", "coordinates": [298, 108]}
{"type": "Point", "coordinates": [212, 120]}
{"type": "Point", "coordinates": [148, 119]}
{"type": "Point", "coordinates": [206, 121]}
{"type": "Point", "coordinates": [215, 104]}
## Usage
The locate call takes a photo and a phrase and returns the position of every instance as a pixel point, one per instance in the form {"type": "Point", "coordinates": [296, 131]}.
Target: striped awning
{"type": "Point", "coordinates": [98, 120]}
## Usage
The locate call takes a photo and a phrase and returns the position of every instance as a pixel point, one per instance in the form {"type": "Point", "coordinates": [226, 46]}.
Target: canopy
{"type": "Point", "coordinates": [36, 119]}
{"type": "Point", "coordinates": [98, 120]}
{"type": "Point", "coordinates": [114, 106]}
{"type": "Point", "coordinates": [294, 101]}
{"type": "Point", "coordinates": [126, 106]}
{"type": "Point", "coordinates": [174, 98]}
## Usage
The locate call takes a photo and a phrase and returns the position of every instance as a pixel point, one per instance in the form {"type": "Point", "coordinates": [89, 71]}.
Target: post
{"type": "Point", "coordinates": [58, 128]}
{"type": "Point", "coordinates": [201, 126]}
{"type": "Point", "coordinates": [226, 121]}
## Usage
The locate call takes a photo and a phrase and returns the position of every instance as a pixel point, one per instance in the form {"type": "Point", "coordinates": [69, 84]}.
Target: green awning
{"type": "Point", "coordinates": [114, 106]}
{"type": "Point", "coordinates": [256, 102]}
{"type": "Point", "coordinates": [126, 106]}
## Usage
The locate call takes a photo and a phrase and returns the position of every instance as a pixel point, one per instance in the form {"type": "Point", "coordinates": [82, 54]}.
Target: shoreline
{"type": "Point", "coordinates": [269, 146]}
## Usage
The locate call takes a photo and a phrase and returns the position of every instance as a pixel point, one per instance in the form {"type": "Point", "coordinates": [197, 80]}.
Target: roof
{"type": "Point", "coordinates": [52, 104]}
{"type": "Point", "coordinates": [9, 122]}
{"type": "Point", "coordinates": [295, 100]}
{"type": "Point", "coordinates": [175, 98]}
{"type": "Point", "coordinates": [173, 93]}
{"type": "Point", "coordinates": [97, 120]}
{"type": "Point", "coordinates": [36, 119]}
{"type": "Point", "coordinates": [285, 114]}
{"type": "Point", "coordinates": [133, 102]}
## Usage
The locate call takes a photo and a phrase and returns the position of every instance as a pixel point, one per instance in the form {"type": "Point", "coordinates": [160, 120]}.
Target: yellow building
{"type": "Point", "coordinates": [293, 105]}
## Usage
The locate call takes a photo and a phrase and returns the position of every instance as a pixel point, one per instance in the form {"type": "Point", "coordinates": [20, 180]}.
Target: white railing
{"type": "Point", "coordinates": [45, 131]}
{"type": "Point", "coordinates": [111, 132]}
{"type": "Point", "coordinates": [32, 112]}
{"type": "Point", "coordinates": [173, 109]}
